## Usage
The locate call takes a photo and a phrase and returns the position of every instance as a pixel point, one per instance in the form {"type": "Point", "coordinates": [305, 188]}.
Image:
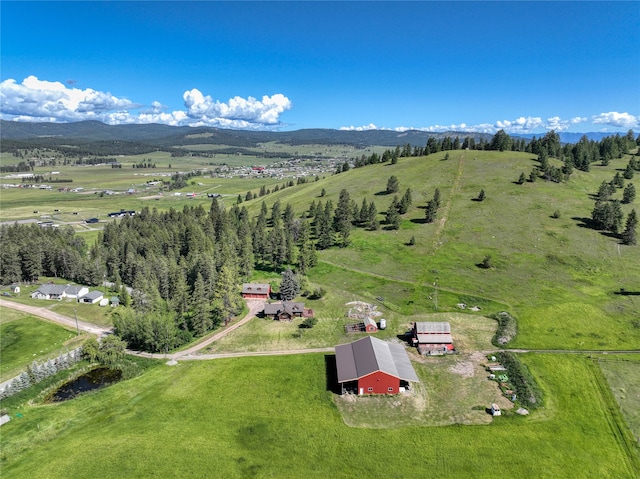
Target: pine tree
{"type": "Point", "coordinates": [372, 215]}
{"type": "Point", "coordinates": [431, 211]}
{"type": "Point", "coordinates": [342, 218]}
{"type": "Point", "coordinates": [481, 195]}
{"type": "Point", "coordinates": [392, 215]}
{"type": "Point", "coordinates": [522, 178]}
{"type": "Point", "coordinates": [392, 185]}
{"type": "Point", "coordinates": [201, 321]}
{"type": "Point", "coordinates": [289, 286]}
{"type": "Point", "coordinates": [405, 202]}
{"type": "Point", "coordinates": [436, 198]}
{"type": "Point", "coordinates": [629, 171]}
{"type": "Point", "coordinates": [629, 235]}
{"type": "Point", "coordinates": [629, 193]}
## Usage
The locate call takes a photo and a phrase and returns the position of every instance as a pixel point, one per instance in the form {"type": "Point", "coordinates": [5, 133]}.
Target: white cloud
{"type": "Point", "coordinates": [520, 125]}
{"type": "Point", "coordinates": [618, 120]}
{"type": "Point", "coordinates": [237, 111]}
{"type": "Point", "coordinates": [39, 100]}
{"type": "Point", "coordinates": [370, 126]}
{"type": "Point", "coordinates": [43, 100]}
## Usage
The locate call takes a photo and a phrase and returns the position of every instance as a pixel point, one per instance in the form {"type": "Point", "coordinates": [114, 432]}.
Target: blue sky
{"type": "Point", "coordinates": [481, 66]}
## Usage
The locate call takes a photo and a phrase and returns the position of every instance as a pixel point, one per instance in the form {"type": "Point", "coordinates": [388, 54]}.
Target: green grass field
{"type": "Point", "coordinates": [273, 417]}
{"type": "Point", "coordinates": [26, 339]}
{"type": "Point", "coordinates": [623, 376]}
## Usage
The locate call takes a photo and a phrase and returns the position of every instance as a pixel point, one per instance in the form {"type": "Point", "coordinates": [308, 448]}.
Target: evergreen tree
{"type": "Point", "coordinates": [522, 178]}
{"type": "Point", "coordinates": [289, 286]}
{"type": "Point", "coordinates": [342, 218]}
{"type": "Point", "coordinates": [436, 197]}
{"type": "Point", "coordinates": [431, 211]}
{"type": "Point", "coordinates": [324, 230]}
{"type": "Point", "coordinates": [629, 171]}
{"type": "Point", "coordinates": [372, 215]}
{"type": "Point", "coordinates": [201, 321]}
{"type": "Point", "coordinates": [629, 193]}
{"type": "Point", "coordinates": [226, 297]}
{"type": "Point", "coordinates": [392, 185]}
{"type": "Point", "coordinates": [481, 195]}
{"type": "Point", "coordinates": [405, 202]}
{"type": "Point", "coordinates": [392, 215]}
{"type": "Point", "coordinates": [629, 235]}
{"type": "Point", "coordinates": [618, 180]}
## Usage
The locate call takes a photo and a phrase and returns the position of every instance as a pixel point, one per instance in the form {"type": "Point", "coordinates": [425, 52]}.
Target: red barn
{"type": "Point", "coordinates": [256, 291]}
{"type": "Point", "coordinates": [373, 366]}
{"type": "Point", "coordinates": [432, 337]}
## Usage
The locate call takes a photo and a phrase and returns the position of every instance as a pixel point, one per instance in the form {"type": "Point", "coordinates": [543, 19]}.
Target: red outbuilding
{"type": "Point", "coordinates": [256, 291]}
{"type": "Point", "coordinates": [373, 366]}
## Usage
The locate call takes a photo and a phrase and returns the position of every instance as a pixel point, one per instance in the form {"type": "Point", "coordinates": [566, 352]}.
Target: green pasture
{"type": "Point", "coordinates": [559, 278]}
{"type": "Point", "coordinates": [25, 339]}
{"type": "Point", "coordinates": [274, 417]}
{"type": "Point", "coordinates": [623, 377]}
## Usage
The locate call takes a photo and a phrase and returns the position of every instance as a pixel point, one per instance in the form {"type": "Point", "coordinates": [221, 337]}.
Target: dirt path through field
{"type": "Point", "coordinates": [66, 321]}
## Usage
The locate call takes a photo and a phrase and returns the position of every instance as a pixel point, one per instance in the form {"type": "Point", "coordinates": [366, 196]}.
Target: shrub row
{"type": "Point", "coordinates": [525, 386]}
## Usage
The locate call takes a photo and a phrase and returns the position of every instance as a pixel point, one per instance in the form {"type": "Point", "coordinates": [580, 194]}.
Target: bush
{"type": "Point", "coordinates": [308, 323]}
{"type": "Point", "coordinates": [318, 293]}
{"type": "Point", "coordinates": [507, 329]}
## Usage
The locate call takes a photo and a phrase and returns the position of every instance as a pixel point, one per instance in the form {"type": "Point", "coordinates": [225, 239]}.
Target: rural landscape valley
{"type": "Point", "coordinates": [319, 240]}
{"type": "Point", "coordinates": [529, 284]}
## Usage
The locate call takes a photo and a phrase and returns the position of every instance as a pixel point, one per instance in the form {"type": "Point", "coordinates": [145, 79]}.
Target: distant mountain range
{"type": "Point", "coordinates": [166, 136]}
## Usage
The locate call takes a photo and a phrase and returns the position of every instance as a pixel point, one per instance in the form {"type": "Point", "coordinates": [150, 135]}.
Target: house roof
{"type": "Point", "coordinates": [93, 295]}
{"type": "Point", "coordinates": [285, 306]}
{"type": "Point", "coordinates": [434, 338]}
{"type": "Point", "coordinates": [73, 290]}
{"type": "Point", "coordinates": [256, 288]}
{"type": "Point", "coordinates": [368, 355]}
{"type": "Point", "coordinates": [433, 327]}
{"type": "Point", "coordinates": [57, 289]}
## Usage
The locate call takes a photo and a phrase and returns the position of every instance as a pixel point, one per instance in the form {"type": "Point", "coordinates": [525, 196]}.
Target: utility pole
{"type": "Point", "coordinates": [435, 294]}
{"type": "Point", "coordinates": [75, 315]}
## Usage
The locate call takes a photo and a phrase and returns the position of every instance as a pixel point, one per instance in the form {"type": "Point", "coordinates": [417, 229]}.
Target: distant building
{"type": "Point", "coordinates": [92, 297]}
{"type": "Point", "coordinates": [432, 337]}
{"type": "Point", "coordinates": [256, 291]}
{"type": "Point", "coordinates": [287, 310]}
{"type": "Point", "coordinates": [373, 366]}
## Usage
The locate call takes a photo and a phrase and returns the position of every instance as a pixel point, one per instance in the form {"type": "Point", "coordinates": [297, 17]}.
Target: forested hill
{"type": "Point", "coordinates": [165, 136]}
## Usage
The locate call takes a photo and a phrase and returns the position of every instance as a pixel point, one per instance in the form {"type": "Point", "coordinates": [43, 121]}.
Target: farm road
{"type": "Point", "coordinates": [56, 318]}
{"type": "Point", "coordinates": [254, 308]}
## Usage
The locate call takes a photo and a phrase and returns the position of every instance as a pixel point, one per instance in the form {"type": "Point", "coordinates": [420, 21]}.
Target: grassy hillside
{"type": "Point", "coordinates": [558, 277]}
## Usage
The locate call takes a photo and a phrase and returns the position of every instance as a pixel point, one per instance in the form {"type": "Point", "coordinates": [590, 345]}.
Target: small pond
{"type": "Point", "coordinates": [94, 379]}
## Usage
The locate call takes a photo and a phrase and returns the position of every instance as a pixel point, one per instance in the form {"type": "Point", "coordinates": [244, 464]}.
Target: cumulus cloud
{"type": "Point", "coordinates": [237, 110]}
{"type": "Point", "coordinates": [520, 125]}
{"type": "Point", "coordinates": [40, 100]}
{"type": "Point", "coordinates": [617, 120]}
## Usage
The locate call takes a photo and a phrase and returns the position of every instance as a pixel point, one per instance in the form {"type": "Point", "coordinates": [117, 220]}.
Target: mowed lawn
{"type": "Point", "coordinates": [274, 417]}
{"type": "Point", "coordinates": [25, 339]}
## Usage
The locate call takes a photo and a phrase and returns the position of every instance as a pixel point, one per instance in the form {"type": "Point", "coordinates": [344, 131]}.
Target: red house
{"type": "Point", "coordinates": [373, 366]}
{"type": "Point", "coordinates": [256, 291]}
